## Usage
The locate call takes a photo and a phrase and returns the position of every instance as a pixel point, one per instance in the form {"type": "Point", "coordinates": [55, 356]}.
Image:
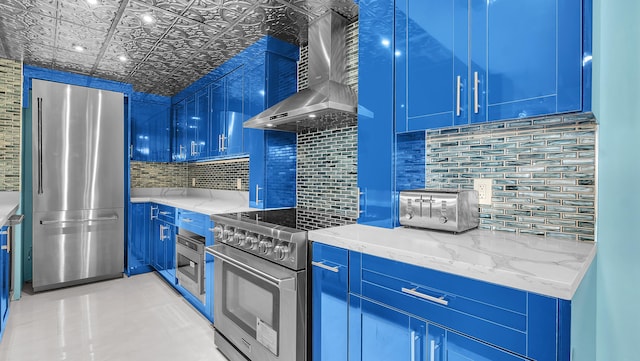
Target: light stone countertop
{"type": "Point", "coordinates": [203, 201]}
{"type": "Point", "coordinates": [548, 266]}
{"type": "Point", "coordinates": [9, 204]}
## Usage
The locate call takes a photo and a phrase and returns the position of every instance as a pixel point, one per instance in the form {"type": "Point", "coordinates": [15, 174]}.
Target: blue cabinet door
{"type": "Point", "coordinates": [431, 63]}
{"type": "Point", "coordinates": [5, 280]}
{"type": "Point", "coordinates": [461, 348]}
{"type": "Point", "coordinates": [216, 117]}
{"type": "Point", "coordinates": [170, 251]}
{"type": "Point", "coordinates": [138, 247]}
{"type": "Point", "coordinates": [234, 91]}
{"type": "Point", "coordinates": [525, 62]}
{"type": "Point", "coordinates": [329, 303]}
{"type": "Point", "coordinates": [157, 245]}
{"type": "Point", "coordinates": [191, 130]}
{"type": "Point", "coordinates": [386, 334]}
{"type": "Point", "coordinates": [150, 128]}
{"type": "Point", "coordinates": [200, 124]}
{"type": "Point", "coordinates": [180, 132]}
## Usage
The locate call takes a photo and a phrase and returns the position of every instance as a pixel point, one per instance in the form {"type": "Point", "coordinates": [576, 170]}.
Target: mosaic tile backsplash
{"type": "Point", "coordinates": [10, 124]}
{"type": "Point", "coordinates": [327, 175]}
{"type": "Point", "coordinates": [222, 175]}
{"type": "Point", "coordinates": [543, 171]}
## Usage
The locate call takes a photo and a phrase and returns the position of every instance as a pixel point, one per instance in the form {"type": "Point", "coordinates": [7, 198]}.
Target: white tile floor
{"type": "Point", "coordinates": [139, 318]}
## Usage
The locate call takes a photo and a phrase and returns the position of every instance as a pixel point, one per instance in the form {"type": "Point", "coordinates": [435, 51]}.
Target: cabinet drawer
{"type": "Point", "coordinates": [490, 312]}
{"type": "Point", "coordinates": [164, 213]}
{"type": "Point", "coordinates": [193, 221]}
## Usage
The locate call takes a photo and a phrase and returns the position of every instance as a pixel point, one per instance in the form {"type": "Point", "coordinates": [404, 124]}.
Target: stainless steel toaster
{"type": "Point", "coordinates": [442, 209]}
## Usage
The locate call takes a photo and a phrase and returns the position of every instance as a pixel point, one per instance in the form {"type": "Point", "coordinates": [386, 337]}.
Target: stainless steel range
{"type": "Point", "coordinates": [260, 286]}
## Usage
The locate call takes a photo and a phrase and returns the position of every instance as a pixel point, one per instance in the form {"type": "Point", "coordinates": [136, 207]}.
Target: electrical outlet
{"type": "Point", "coordinates": [193, 182]}
{"type": "Point", "coordinates": [484, 188]}
{"type": "Point", "coordinates": [239, 183]}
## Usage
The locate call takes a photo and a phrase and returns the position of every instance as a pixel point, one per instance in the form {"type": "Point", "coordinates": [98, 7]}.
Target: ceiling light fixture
{"type": "Point", "coordinates": [148, 19]}
{"type": "Point", "coordinates": [92, 2]}
{"type": "Point", "coordinates": [122, 58]}
{"type": "Point", "coordinates": [78, 48]}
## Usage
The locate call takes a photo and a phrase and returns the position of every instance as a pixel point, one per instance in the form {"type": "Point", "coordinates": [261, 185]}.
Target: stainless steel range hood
{"type": "Point", "coordinates": [328, 99]}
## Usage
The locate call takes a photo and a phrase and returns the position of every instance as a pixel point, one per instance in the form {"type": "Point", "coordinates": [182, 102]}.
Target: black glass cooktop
{"type": "Point", "coordinates": [285, 217]}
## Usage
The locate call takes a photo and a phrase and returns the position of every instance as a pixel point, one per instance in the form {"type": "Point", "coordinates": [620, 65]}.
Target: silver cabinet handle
{"type": "Point", "coordinates": [81, 220]}
{"type": "Point", "coordinates": [413, 292]}
{"type": "Point", "coordinates": [152, 215]}
{"type": "Point", "coordinates": [187, 220]}
{"type": "Point", "coordinates": [476, 82]}
{"type": "Point", "coordinates": [324, 266]}
{"type": "Point", "coordinates": [257, 189]}
{"type": "Point", "coordinates": [164, 213]}
{"type": "Point", "coordinates": [458, 88]}
{"type": "Point", "coordinates": [432, 351]}
{"type": "Point", "coordinates": [162, 229]}
{"type": "Point", "coordinates": [413, 346]}
{"type": "Point", "coordinates": [359, 193]}
{"type": "Point", "coordinates": [220, 142]}
{"type": "Point", "coordinates": [223, 138]}
{"type": "Point", "coordinates": [40, 187]}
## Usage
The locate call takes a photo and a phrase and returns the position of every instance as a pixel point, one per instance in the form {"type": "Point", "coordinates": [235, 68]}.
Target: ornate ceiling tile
{"type": "Point", "coordinates": [40, 7]}
{"type": "Point", "coordinates": [99, 16]}
{"type": "Point", "coordinates": [71, 35]}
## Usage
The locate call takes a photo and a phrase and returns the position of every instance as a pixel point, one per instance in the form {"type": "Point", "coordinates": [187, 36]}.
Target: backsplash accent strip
{"type": "Point", "coordinates": [10, 124]}
{"type": "Point", "coordinates": [221, 175]}
{"type": "Point", "coordinates": [159, 175]}
{"type": "Point", "coordinates": [543, 172]}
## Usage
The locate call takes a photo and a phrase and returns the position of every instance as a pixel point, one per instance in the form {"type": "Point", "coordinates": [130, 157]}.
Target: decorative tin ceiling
{"type": "Point", "coordinates": [159, 46]}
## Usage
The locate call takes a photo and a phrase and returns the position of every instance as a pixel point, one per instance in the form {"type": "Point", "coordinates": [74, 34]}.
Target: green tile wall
{"type": "Point", "coordinates": [221, 175]}
{"type": "Point", "coordinates": [543, 171]}
{"type": "Point", "coordinates": [10, 124]}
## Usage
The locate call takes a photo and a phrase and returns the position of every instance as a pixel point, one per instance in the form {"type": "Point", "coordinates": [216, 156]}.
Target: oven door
{"type": "Point", "coordinates": [259, 306]}
{"type": "Point", "coordinates": [190, 265]}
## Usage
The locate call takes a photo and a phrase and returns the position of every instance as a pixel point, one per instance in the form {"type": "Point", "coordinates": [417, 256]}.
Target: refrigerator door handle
{"type": "Point", "coordinates": [40, 188]}
{"type": "Point", "coordinates": [81, 220]}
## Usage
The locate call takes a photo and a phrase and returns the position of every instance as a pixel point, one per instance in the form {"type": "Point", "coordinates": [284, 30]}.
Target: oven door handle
{"type": "Point", "coordinates": [285, 283]}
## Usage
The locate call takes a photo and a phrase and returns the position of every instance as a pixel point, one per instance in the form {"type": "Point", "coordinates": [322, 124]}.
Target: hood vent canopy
{"type": "Point", "coordinates": [327, 100]}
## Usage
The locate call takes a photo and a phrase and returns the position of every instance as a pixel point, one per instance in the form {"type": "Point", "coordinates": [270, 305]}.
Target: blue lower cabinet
{"type": "Point", "coordinates": [388, 334]}
{"type": "Point", "coordinates": [208, 274]}
{"type": "Point", "coordinates": [329, 303]}
{"type": "Point", "coordinates": [461, 348]}
{"type": "Point", "coordinates": [4, 278]}
{"type": "Point", "coordinates": [163, 249]}
{"type": "Point", "coordinates": [138, 246]}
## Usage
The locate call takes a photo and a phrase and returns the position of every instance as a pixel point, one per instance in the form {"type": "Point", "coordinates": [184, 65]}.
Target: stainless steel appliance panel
{"type": "Point", "coordinates": [72, 247]}
{"type": "Point", "coordinates": [78, 147]}
{"type": "Point", "coordinates": [447, 210]}
{"type": "Point", "coordinates": [190, 264]}
{"type": "Point", "coordinates": [78, 184]}
{"type": "Point", "coordinates": [260, 307]}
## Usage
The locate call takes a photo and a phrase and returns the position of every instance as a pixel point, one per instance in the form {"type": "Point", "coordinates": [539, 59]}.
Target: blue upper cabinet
{"type": "Point", "coordinates": [231, 135]}
{"type": "Point", "coordinates": [179, 147]}
{"type": "Point", "coordinates": [150, 127]}
{"type": "Point", "coordinates": [200, 125]}
{"type": "Point", "coordinates": [208, 115]}
{"type": "Point", "coordinates": [469, 62]}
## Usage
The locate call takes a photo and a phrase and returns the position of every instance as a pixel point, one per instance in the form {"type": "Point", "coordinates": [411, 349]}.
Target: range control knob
{"type": "Point", "coordinates": [409, 215]}
{"type": "Point", "coordinates": [239, 238]}
{"type": "Point", "coordinates": [443, 219]}
{"type": "Point", "coordinates": [265, 246]}
{"type": "Point", "coordinates": [281, 252]}
{"type": "Point", "coordinates": [218, 232]}
{"type": "Point", "coordinates": [251, 242]}
{"type": "Point", "coordinates": [227, 236]}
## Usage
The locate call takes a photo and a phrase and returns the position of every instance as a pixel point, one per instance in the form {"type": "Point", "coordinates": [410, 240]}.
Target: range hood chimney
{"type": "Point", "coordinates": [327, 100]}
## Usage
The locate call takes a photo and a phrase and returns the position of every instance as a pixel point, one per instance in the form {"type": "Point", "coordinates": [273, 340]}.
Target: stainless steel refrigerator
{"type": "Point", "coordinates": [78, 184]}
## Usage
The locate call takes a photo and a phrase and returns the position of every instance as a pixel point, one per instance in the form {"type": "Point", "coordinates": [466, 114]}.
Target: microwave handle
{"type": "Point", "coordinates": [286, 283]}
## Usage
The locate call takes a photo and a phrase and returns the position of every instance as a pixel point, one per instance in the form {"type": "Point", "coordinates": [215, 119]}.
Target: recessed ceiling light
{"type": "Point", "coordinates": [269, 125]}
{"type": "Point", "coordinates": [122, 58]}
{"type": "Point", "coordinates": [92, 2]}
{"type": "Point", "coordinates": [312, 115]}
{"type": "Point", "coordinates": [148, 18]}
{"type": "Point", "coordinates": [78, 48]}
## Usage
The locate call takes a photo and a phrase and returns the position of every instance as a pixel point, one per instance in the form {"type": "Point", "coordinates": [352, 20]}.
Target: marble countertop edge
{"type": "Point", "coordinates": [555, 278]}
